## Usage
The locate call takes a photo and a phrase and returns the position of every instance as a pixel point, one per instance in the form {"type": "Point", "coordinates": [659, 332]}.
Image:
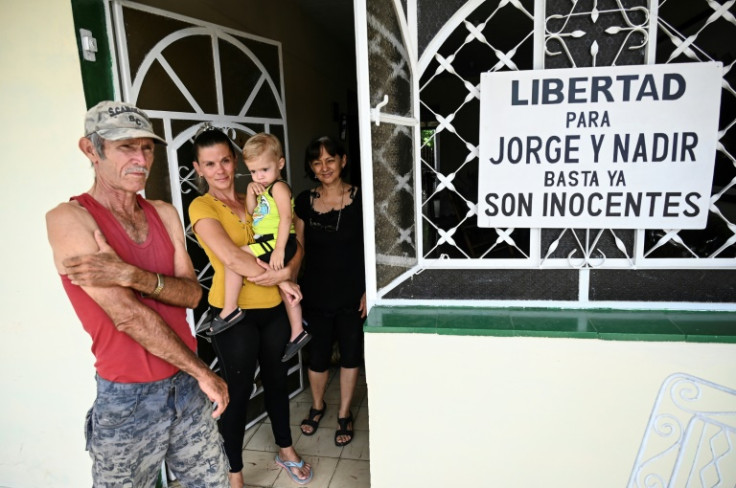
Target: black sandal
{"type": "Point", "coordinates": [343, 430]}
{"type": "Point", "coordinates": [310, 420]}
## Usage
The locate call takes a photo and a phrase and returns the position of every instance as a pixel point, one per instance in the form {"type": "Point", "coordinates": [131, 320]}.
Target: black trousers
{"type": "Point", "coordinates": [258, 339]}
{"type": "Point", "coordinates": [327, 326]}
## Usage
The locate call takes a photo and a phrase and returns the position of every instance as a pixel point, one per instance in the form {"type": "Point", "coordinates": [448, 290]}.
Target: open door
{"type": "Point", "coordinates": [389, 139]}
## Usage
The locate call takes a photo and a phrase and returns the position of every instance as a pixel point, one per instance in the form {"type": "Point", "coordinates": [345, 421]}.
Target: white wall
{"type": "Point", "coordinates": [520, 412]}
{"type": "Point", "coordinates": [47, 379]}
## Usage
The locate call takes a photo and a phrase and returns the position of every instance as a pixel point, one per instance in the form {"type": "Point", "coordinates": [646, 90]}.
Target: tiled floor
{"type": "Point", "coordinates": [334, 467]}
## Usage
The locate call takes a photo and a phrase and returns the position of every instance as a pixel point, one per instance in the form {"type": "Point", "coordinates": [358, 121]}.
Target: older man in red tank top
{"type": "Point", "coordinates": [124, 265]}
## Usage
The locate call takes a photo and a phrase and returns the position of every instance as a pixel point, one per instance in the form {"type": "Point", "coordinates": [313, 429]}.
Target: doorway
{"type": "Point", "coordinates": [285, 68]}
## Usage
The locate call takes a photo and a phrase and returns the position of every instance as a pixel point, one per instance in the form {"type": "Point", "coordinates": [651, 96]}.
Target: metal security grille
{"type": "Point", "coordinates": [450, 101]}
{"type": "Point", "coordinates": [177, 76]}
{"type": "Point", "coordinates": [483, 36]}
{"type": "Point", "coordinates": [593, 33]}
{"type": "Point", "coordinates": [184, 73]}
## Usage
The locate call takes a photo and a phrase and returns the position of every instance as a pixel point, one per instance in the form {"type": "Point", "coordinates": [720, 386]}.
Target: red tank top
{"type": "Point", "coordinates": [117, 356]}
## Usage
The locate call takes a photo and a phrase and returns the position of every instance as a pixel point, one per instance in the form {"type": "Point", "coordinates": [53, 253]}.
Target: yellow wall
{"type": "Point", "coordinates": [520, 412]}
{"type": "Point", "coordinates": [47, 379]}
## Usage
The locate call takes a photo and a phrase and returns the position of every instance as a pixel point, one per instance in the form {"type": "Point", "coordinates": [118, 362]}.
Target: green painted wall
{"type": "Point", "coordinates": [96, 75]}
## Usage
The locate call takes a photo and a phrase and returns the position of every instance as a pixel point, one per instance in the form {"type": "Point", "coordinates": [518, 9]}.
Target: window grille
{"type": "Point", "coordinates": [455, 43]}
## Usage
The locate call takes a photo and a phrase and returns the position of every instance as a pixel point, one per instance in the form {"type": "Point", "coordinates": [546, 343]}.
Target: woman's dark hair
{"type": "Point", "coordinates": [208, 136]}
{"type": "Point", "coordinates": [314, 148]}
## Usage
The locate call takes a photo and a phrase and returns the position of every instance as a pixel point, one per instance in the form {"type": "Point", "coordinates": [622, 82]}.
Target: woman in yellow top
{"type": "Point", "coordinates": [222, 226]}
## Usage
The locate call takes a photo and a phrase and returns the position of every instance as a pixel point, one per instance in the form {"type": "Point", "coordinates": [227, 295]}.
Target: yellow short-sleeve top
{"type": "Point", "coordinates": [241, 233]}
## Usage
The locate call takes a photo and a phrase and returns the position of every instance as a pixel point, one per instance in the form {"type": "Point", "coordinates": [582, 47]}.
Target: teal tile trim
{"type": "Point", "coordinates": [617, 325]}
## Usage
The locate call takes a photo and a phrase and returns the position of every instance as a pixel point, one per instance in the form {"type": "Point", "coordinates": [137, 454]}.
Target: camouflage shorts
{"type": "Point", "coordinates": [133, 427]}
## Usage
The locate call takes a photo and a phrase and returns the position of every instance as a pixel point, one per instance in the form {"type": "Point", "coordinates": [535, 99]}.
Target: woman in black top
{"type": "Point", "coordinates": [330, 227]}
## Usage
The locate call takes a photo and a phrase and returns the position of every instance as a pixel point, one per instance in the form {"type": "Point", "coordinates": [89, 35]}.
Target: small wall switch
{"type": "Point", "coordinates": [89, 44]}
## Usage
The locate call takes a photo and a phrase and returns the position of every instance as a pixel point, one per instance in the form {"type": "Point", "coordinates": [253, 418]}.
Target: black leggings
{"type": "Point", "coordinates": [345, 326]}
{"type": "Point", "coordinates": [260, 338]}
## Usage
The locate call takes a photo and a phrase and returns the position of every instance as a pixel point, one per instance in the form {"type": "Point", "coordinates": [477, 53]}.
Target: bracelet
{"type": "Point", "coordinates": [159, 286]}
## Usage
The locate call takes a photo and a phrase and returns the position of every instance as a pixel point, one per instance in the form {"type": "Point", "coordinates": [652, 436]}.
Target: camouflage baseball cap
{"type": "Point", "coordinates": [119, 120]}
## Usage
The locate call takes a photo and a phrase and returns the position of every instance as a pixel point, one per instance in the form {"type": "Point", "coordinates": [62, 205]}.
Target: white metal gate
{"type": "Point", "coordinates": [185, 72]}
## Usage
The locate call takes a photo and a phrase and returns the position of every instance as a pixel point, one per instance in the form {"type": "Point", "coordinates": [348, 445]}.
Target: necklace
{"type": "Point", "coordinates": [339, 213]}
{"type": "Point", "coordinates": [329, 228]}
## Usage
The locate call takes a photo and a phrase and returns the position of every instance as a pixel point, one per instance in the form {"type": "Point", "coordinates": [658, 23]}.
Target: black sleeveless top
{"type": "Point", "coordinates": [334, 269]}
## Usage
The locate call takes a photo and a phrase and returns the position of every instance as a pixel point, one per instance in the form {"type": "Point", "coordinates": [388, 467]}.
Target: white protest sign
{"type": "Point", "coordinates": [627, 147]}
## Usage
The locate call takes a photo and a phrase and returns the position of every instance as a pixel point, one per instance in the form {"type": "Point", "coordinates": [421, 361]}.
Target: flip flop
{"type": "Point", "coordinates": [343, 430]}
{"type": "Point", "coordinates": [294, 346]}
{"type": "Point", "coordinates": [219, 324]}
{"type": "Point", "coordinates": [310, 422]}
{"type": "Point", "coordinates": [287, 465]}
